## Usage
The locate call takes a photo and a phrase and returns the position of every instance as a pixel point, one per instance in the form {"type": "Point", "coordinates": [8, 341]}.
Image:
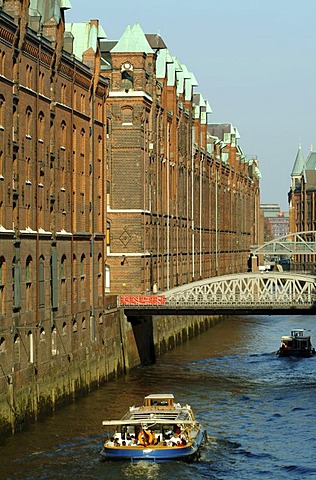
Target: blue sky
{"type": "Point", "coordinates": [254, 60]}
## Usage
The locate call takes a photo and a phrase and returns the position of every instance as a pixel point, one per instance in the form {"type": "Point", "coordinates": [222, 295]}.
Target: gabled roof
{"type": "Point", "coordinates": [299, 163]}
{"type": "Point", "coordinates": [133, 40]}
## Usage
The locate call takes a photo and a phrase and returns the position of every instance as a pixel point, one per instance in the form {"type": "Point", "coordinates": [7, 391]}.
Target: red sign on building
{"type": "Point", "coordinates": [135, 300]}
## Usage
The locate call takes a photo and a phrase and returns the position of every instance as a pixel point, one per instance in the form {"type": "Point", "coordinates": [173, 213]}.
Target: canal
{"type": "Point", "coordinates": [258, 409]}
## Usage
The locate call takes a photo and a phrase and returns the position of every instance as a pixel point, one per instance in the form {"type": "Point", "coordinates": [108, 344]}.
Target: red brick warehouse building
{"type": "Point", "coordinates": [182, 198]}
{"type": "Point", "coordinates": [111, 180]}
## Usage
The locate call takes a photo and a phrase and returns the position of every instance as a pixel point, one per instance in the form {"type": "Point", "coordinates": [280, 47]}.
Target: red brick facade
{"type": "Point", "coordinates": [111, 181]}
{"type": "Point", "coordinates": [52, 198]}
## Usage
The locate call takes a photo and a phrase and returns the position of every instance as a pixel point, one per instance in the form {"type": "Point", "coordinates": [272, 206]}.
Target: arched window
{"type": "Point", "coordinates": [82, 167]}
{"type": "Point", "coordinates": [63, 136]}
{"type": "Point", "coordinates": [84, 323]}
{"type": "Point", "coordinates": [40, 126]}
{"type": "Point", "coordinates": [42, 335]}
{"type": "Point", "coordinates": [74, 139]}
{"type": "Point", "coordinates": [64, 330]}
{"type": "Point", "coordinates": [74, 279]}
{"type": "Point", "coordinates": [28, 283]}
{"type": "Point", "coordinates": [83, 274]}
{"type": "Point", "coordinates": [15, 124]}
{"type": "Point", "coordinates": [54, 340]}
{"type": "Point", "coordinates": [63, 278]}
{"type": "Point", "coordinates": [28, 125]}
{"type": "Point", "coordinates": [29, 76]}
{"type": "Point", "coordinates": [31, 346]}
{"type": "Point", "coordinates": [2, 345]}
{"type": "Point", "coordinates": [28, 269]}
{"type": "Point", "coordinates": [41, 83]}
{"type": "Point", "coordinates": [17, 349]}
{"type": "Point", "coordinates": [74, 326]}
{"type": "Point", "coordinates": [1, 171]}
{"type": "Point", "coordinates": [100, 148]}
{"type": "Point", "coordinates": [82, 142]}
{"type": "Point", "coordinates": [100, 279]}
{"type": "Point", "coordinates": [127, 78]}
{"type": "Point", "coordinates": [127, 115]}
{"type": "Point", "coordinates": [82, 103]}
{"type": "Point", "coordinates": [107, 278]}
{"type": "Point", "coordinates": [2, 114]}
{"type": "Point", "coordinates": [16, 284]}
{"type": "Point", "coordinates": [63, 267]}
{"type": "Point", "coordinates": [41, 281]}
{"type": "Point", "coordinates": [2, 63]}
{"type": "Point", "coordinates": [28, 171]}
{"type": "Point", "coordinates": [3, 275]}
{"type": "Point", "coordinates": [108, 237]}
{"type": "Point", "coordinates": [63, 89]}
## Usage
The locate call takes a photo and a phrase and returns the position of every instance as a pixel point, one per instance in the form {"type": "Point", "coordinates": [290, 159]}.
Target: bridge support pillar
{"type": "Point", "coordinates": [144, 338]}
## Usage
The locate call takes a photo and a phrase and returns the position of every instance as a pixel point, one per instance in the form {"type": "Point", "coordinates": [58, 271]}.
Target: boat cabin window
{"type": "Point", "coordinates": [152, 401]}
{"type": "Point", "coordinates": [298, 332]}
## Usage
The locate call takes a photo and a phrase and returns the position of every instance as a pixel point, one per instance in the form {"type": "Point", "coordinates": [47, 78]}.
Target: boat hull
{"type": "Point", "coordinates": [155, 453]}
{"type": "Point", "coordinates": [295, 352]}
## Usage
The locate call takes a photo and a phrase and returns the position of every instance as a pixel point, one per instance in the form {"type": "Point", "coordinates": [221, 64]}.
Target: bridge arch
{"type": "Point", "coordinates": [298, 243]}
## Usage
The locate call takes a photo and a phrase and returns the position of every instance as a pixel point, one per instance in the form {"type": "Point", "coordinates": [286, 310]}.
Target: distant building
{"type": "Point", "coordinates": [302, 202]}
{"type": "Point", "coordinates": [276, 222]}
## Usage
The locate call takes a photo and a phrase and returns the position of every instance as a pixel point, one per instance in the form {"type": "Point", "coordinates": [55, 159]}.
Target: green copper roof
{"type": "Point", "coordinates": [85, 35]}
{"type": "Point", "coordinates": [311, 162]}
{"type": "Point", "coordinates": [161, 64]}
{"type": "Point", "coordinates": [165, 67]}
{"type": "Point", "coordinates": [171, 71]}
{"type": "Point", "coordinates": [133, 40]}
{"type": "Point", "coordinates": [189, 82]}
{"type": "Point", "coordinates": [299, 163]}
{"type": "Point", "coordinates": [198, 103]}
{"type": "Point", "coordinates": [48, 10]}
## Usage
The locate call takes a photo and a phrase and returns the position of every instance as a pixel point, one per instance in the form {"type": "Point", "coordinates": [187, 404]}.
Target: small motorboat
{"type": "Point", "coordinates": [158, 431]}
{"type": "Point", "coordinates": [298, 344]}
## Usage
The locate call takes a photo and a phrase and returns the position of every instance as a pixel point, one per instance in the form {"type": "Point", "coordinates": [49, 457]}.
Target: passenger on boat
{"type": "Point", "coordinates": [174, 440]}
{"type": "Point", "coordinates": [111, 442]}
{"type": "Point", "coordinates": [177, 429]}
{"type": "Point", "coordinates": [146, 437]}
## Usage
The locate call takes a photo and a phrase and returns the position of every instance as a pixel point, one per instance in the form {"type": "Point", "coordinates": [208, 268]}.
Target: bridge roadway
{"type": "Point", "coordinates": [256, 293]}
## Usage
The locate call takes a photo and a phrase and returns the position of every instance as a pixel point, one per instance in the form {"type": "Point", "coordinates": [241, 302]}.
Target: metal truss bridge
{"type": "Point", "coordinates": [299, 243]}
{"type": "Point", "coordinates": [269, 293]}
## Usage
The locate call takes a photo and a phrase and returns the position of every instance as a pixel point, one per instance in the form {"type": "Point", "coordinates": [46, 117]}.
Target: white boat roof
{"type": "Point", "coordinates": [160, 396]}
{"type": "Point", "coordinates": [152, 421]}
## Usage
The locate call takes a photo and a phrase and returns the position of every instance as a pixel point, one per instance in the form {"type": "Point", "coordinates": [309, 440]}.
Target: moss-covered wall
{"type": "Point", "coordinates": [28, 395]}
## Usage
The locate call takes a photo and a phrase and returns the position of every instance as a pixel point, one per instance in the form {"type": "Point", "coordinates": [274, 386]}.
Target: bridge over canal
{"type": "Point", "coordinates": [272, 293]}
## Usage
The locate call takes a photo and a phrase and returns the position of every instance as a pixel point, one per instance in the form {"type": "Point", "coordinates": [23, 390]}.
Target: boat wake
{"type": "Point", "coordinates": [142, 469]}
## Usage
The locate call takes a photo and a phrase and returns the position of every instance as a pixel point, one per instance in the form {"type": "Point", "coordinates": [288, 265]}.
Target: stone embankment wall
{"type": "Point", "coordinates": [27, 395]}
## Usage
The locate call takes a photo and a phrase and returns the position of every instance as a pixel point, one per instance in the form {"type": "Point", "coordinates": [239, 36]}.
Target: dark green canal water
{"type": "Point", "coordinates": [258, 409]}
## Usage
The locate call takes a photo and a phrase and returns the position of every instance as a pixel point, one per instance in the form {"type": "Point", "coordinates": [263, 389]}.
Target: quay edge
{"type": "Point", "coordinates": [36, 391]}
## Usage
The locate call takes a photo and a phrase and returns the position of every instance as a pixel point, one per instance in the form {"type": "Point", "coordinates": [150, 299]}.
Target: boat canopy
{"type": "Point", "coordinates": [152, 421]}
